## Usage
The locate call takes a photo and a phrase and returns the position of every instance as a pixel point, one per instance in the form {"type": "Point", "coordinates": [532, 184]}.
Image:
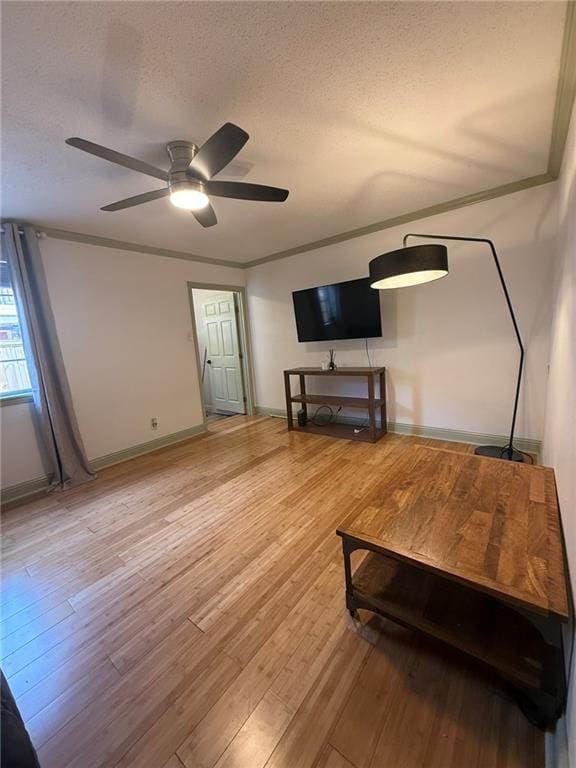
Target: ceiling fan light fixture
{"type": "Point", "coordinates": [189, 199]}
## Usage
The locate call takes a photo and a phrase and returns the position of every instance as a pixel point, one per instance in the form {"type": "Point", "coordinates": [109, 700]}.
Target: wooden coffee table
{"type": "Point", "coordinates": [469, 550]}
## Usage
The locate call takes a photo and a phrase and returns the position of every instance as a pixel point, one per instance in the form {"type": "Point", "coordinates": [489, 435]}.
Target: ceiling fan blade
{"type": "Point", "coordinates": [241, 191]}
{"type": "Point", "coordinates": [218, 150]}
{"type": "Point", "coordinates": [129, 202]}
{"type": "Point", "coordinates": [118, 158]}
{"type": "Point", "coordinates": [205, 216]}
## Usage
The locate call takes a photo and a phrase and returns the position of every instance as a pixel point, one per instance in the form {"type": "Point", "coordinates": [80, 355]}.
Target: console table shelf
{"type": "Point", "coordinates": [348, 402]}
{"type": "Point", "coordinates": [371, 433]}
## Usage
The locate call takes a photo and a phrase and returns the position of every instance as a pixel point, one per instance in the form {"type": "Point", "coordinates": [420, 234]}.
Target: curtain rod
{"type": "Point", "coordinates": [39, 234]}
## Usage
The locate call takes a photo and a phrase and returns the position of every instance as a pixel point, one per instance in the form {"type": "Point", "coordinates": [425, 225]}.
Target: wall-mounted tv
{"type": "Point", "coordinates": [349, 310]}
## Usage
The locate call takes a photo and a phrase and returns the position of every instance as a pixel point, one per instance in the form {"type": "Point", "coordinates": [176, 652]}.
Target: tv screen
{"type": "Point", "coordinates": [349, 310]}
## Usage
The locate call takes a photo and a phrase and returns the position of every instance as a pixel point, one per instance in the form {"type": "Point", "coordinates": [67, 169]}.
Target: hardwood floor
{"type": "Point", "coordinates": [186, 610]}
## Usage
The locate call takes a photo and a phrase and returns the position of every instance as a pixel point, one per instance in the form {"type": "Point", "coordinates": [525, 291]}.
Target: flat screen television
{"type": "Point", "coordinates": [349, 310]}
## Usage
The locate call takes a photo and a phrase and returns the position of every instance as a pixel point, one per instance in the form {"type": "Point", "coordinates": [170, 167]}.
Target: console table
{"type": "Point", "coordinates": [469, 550]}
{"type": "Point", "coordinates": [371, 403]}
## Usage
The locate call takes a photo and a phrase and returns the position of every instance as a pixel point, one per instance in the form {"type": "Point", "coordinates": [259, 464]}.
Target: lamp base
{"type": "Point", "coordinates": [499, 452]}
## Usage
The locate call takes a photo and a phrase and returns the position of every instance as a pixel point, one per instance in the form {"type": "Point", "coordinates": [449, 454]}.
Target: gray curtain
{"type": "Point", "coordinates": [64, 454]}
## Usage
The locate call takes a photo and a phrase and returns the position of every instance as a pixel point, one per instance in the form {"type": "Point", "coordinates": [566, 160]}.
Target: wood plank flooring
{"type": "Point", "coordinates": [186, 610]}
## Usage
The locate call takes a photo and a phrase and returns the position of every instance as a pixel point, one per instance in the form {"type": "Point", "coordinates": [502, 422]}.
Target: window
{"type": "Point", "coordinates": [14, 377]}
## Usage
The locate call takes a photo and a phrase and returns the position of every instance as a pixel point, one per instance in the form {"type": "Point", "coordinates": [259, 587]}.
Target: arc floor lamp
{"type": "Point", "coordinates": [417, 264]}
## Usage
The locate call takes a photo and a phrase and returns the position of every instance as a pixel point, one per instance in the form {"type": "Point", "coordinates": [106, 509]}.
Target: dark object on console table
{"type": "Point", "coordinates": [370, 434]}
{"type": "Point", "coordinates": [17, 749]}
{"type": "Point", "coordinates": [470, 552]}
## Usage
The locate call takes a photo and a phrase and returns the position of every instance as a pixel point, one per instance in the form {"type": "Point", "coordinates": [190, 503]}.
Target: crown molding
{"type": "Point", "coordinates": [124, 245]}
{"type": "Point", "coordinates": [565, 92]}
{"type": "Point", "coordinates": [405, 218]}
{"type": "Point", "coordinates": [565, 96]}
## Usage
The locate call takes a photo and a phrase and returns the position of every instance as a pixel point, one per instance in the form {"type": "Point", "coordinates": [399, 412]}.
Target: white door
{"type": "Point", "coordinates": [223, 365]}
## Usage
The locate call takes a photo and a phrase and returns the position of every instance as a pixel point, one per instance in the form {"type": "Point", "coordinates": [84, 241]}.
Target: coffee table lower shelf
{"type": "Point", "coordinates": [489, 630]}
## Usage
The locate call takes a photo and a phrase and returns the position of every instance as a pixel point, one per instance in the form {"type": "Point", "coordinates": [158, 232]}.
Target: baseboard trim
{"type": "Point", "coordinates": [22, 490]}
{"type": "Point", "coordinates": [460, 436]}
{"type": "Point", "coordinates": [118, 457]}
{"type": "Point", "coordinates": [38, 484]}
{"type": "Point", "coordinates": [435, 433]}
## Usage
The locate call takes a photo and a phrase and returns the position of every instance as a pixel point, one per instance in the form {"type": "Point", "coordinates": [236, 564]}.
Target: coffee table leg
{"type": "Point", "coordinates": [347, 548]}
{"type": "Point", "coordinates": [543, 706]}
{"type": "Point", "coordinates": [538, 707]}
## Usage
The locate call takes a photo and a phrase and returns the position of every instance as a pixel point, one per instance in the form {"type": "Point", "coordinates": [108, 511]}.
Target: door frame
{"type": "Point", "coordinates": [243, 326]}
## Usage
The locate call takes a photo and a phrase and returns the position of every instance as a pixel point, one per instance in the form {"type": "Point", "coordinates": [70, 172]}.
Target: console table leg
{"type": "Point", "coordinates": [382, 395]}
{"type": "Point", "coordinates": [371, 407]}
{"type": "Point", "coordinates": [303, 392]}
{"type": "Point", "coordinates": [288, 401]}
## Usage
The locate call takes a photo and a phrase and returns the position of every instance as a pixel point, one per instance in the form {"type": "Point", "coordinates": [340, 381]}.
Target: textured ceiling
{"type": "Point", "coordinates": [363, 110]}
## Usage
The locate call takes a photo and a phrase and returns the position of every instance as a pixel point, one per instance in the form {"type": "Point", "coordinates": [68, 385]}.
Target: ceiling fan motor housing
{"type": "Point", "coordinates": [180, 153]}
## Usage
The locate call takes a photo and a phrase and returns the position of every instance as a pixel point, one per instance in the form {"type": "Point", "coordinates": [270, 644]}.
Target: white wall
{"type": "Point", "coordinates": [449, 345]}
{"type": "Point", "coordinates": [20, 456]}
{"type": "Point", "coordinates": [559, 450]}
{"type": "Point", "coordinates": [125, 329]}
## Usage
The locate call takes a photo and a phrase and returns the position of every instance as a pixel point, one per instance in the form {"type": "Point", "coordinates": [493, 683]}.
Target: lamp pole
{"type": "Point", "coordinates": [490, 450]}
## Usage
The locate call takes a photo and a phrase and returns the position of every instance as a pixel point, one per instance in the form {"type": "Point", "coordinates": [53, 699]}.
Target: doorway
{"type": "Point", "coordinates": [218, 313]}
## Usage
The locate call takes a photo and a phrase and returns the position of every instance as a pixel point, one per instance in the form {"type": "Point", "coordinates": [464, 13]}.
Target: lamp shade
{"type": "Point", "coordinates": [409, 266]}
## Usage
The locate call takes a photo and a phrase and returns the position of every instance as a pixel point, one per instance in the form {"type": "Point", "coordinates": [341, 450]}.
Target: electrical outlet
{"type": "Point", "coordinates": [154, 422]}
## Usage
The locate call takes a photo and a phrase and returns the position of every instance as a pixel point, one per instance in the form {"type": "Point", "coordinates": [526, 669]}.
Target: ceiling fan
{"type": "Point", "coordinates": [189, 180]}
